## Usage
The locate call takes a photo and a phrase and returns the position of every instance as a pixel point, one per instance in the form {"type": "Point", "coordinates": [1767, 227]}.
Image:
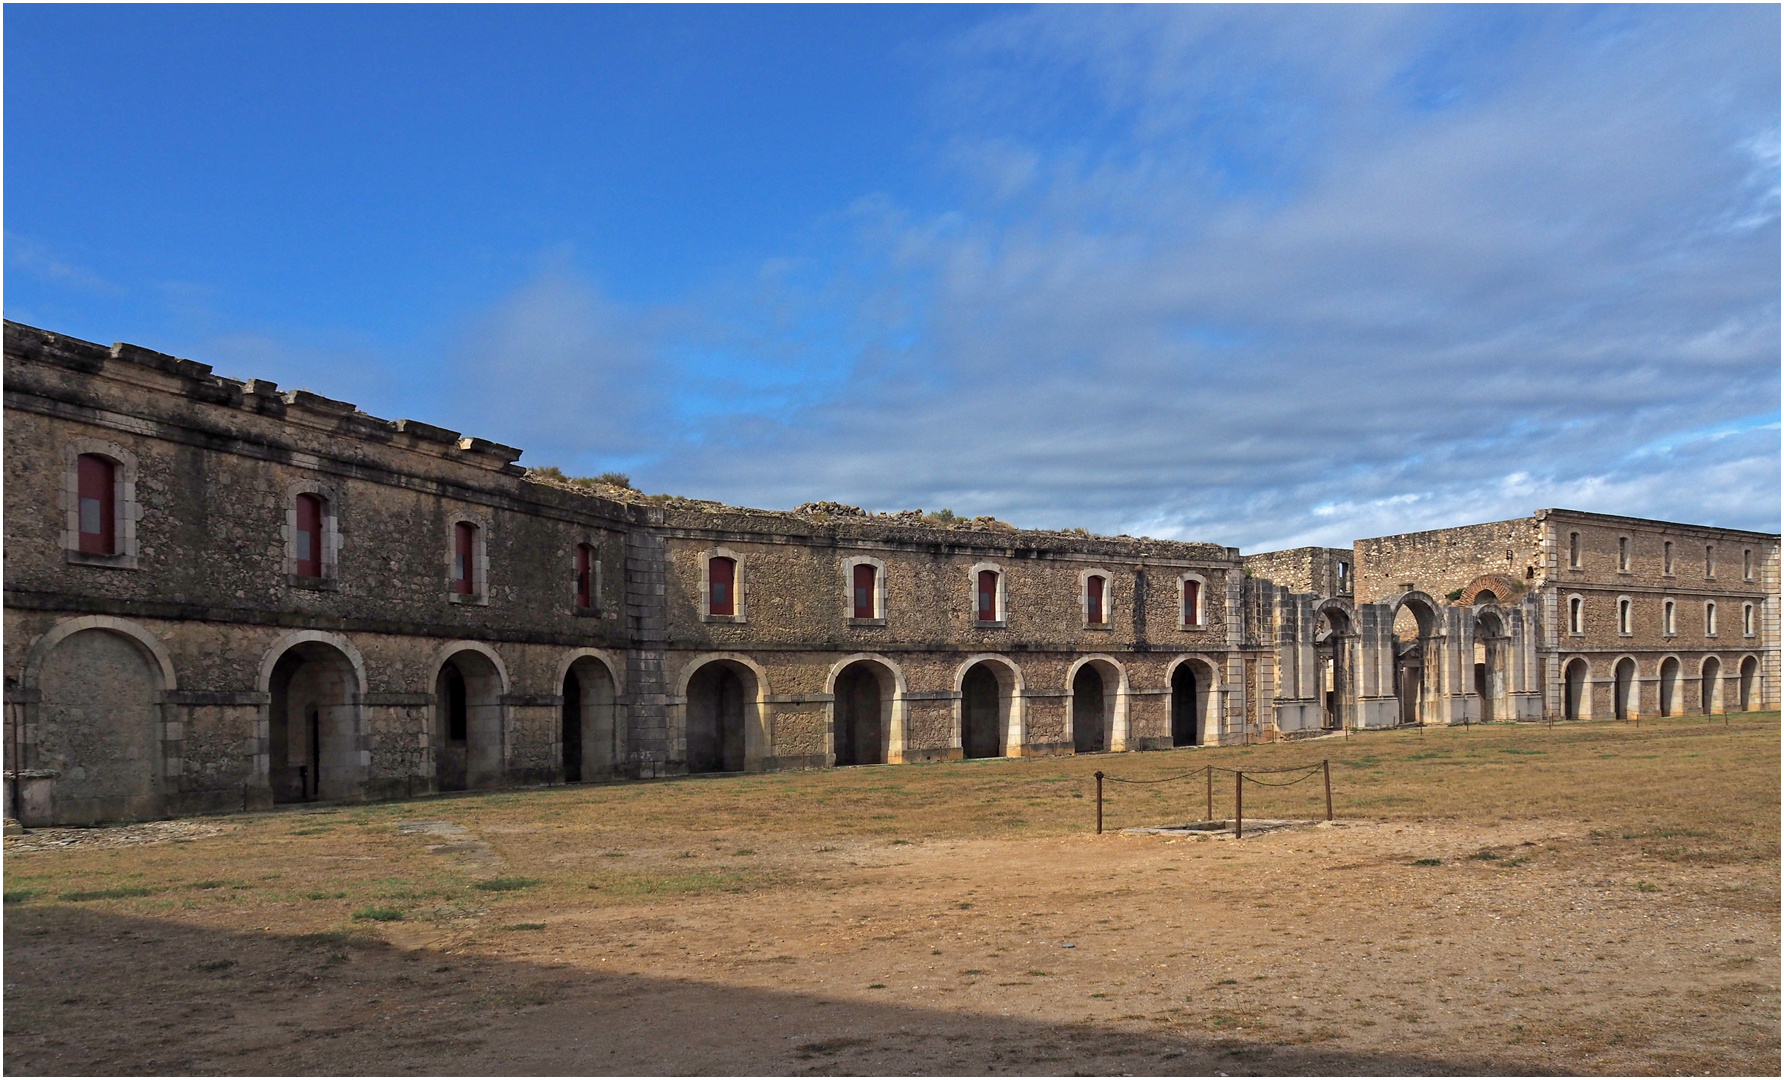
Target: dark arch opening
{"type": "Point", "coordinates": [1574, 690]}
{"type": "Point", "coordinates": [862, 700]}
{"type": "Point", "coordinates": [467, 723]}
{"type": "Point", "coordinates": [1187, 695]}
{"type": "Point", "coordinates": [1624, 688]}
{"type": "Point", "coordinates": [983, 713]}
{"type": "Point", "coordinates": [1089, 735]}
{"type": "Point", "coordinates": [1712, 674]}
{"type": "Point", "coordinates": [719, 696]}
{"type": "Point", "coordinates": [588, 727]}
{"type": "Point", "coordinates": [1669, 687]}
{"type": "Point", "coordinates": [1749, 669]}
{"type": "Point", "coordinates": [312, 749]}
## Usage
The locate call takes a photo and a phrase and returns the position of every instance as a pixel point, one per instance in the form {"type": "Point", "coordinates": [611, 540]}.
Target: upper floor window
{"type": "Point", "coordinates": [1623, 554]}
{"type": "Point", "coordinates": [1576, 615]}
{"type": "Point", "coordinates": [1667, 624]}
{"type": "Point", "coordinates": [1709, 618]}
{"type": "Point", "coordinates": [864, 591]}
{"type": "Point", "coordinates": [990, 596]}
{"type": "Point", "coordinates": [1343, 577]}
{"type": "Point", "coordinates": [1666, 562]}
{"type": "Point", "coordinates": [1623, 616]}
{"type": "Point", "coordinates": [585, 576]}
{"type": "Point", "coordinates": [1709, 560]}
{"type": "Point", "coordinates": [1573, 550]}
{"type": "Point", "coordinates": [1096, 600]}
{"type": "Point", "coordinates": [464, 559]}
{"type": "Point", "coordinates": [1747, 564]}
{"type": "Point", "coordinates": [98, 505]}
{"type": "Point", "coordinates": [307, 536]}
{"type": "Point", "coordinates": [1747, 620]}
{"type": "Point", "coordinates": [721, 586]}
{"type": "Point", "coordinates": [1190, 601]}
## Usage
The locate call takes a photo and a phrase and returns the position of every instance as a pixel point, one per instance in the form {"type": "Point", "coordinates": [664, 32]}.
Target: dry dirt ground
{"type": "Point", "coordinates": [1588, 898]}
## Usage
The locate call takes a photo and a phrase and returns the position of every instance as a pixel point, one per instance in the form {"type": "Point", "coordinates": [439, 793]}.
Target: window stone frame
{"type": "Point", "coordinates": [1201, 622]}
{"type": "Point", "coordinates": [1084, 576]}
{"type": "Point", "coordinates": [879, 590]}
{"type": "Point", "coordinates": [480, 589]}
{"type": "Point", "coordinates": [126, 511]}
{"type": "Point", "coordinates": [737, 589]}
{"type": "Point", "coordinates": [1003, 611]}
{"type": "Point", "coordinates": [330, 580]}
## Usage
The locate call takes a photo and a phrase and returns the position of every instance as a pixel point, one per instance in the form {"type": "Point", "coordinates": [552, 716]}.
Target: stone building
{"type": "Point", "coordinates": [222, 595]}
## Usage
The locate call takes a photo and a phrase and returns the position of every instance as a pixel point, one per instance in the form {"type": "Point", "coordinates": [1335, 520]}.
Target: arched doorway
{"type": "Point", "coordinates": [1711, 697]}
{"type": "Point", "coordinates": [862, 712]}
{"type": "Point", "coordinates": [588, 727]}
{"type": "Point", "coordinates": [313, 725]}
{"type": "Point", "coordinates": [1573, 705]}
{"type": "Point", "coordinates": [1090, 727]}
{"type": "Point", "coordinates": [1669, 686]}
{"type": "Point", "coordinates": [1192, 698]}
{"type": "Point", "coordinates": [1749, 671]}
{"type": "Point", "coordinates": [987, 703]}
{"type": "Point", "coordinates": [1331, 631]}
{"type": "Point", "coordinates": [467, 722]}
{"type": "Point", "coordinates": [1491, 649]}
{"type": "Point", "coordinates": [98, 728]}
{"type": "Point", "coordinates": [1625, 689]}
{"type": "Point", "coordinates": [720, 701]}
{"type": "Point", "coordinates": [1414, 623]}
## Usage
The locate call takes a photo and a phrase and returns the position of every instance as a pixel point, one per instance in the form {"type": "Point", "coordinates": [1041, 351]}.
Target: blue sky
{"type": "Point", "coordinates": [1262, 276]}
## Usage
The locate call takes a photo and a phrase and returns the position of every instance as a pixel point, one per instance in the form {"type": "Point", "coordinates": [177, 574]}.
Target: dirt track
{"type": "Point", "coordinates": [1570, 948]}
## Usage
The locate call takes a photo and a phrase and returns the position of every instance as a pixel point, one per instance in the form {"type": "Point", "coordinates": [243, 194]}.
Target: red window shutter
{"type": "Point", "coordinates": [98, 496]}
{"type": "Point", "coordinates": [1096, 600]}
{"type": "Point", "coordinates": [464, 562]}
{"type": "Point", "coordinates": [721, 577]}
{"type": "Point", "coordinates": [584, 574]}
{"type": "Point", "coordinates": [988, 596]}
{"type": "Point", "coordinates": [309, 536]}
{"type": "Point", "coordinates": [865, 574]}
{"type": "Point", "coordinates": [1192, 597]}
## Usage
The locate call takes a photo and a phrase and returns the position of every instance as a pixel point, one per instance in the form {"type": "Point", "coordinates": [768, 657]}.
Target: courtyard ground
{"type": "Point", "coordinates": [1586, 898]}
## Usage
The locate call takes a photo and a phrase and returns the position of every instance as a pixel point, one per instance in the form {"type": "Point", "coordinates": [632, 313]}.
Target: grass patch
{"type": "Point", "coordinates": [523, 926]}
{"type": "Point", "coordinates": [121, 893]}
{"type": "Point", "coordinates": [1427, 862]}
{"type": "Point", "coordinates": [325, 896]}
{"type": "Point", "coordinates": [379, 914]}
{"type": "Point", "coordinates": [213, 965]}
{"type": "Point", "coordinates": [22, 896]}
{"type": "Point", "coordinates": [505, 884]}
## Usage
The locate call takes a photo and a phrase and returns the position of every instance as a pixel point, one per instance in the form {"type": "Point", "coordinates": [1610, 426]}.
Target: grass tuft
{"type": "Point", "coordinates": [379, 914]}
{"type": "Point", "coordinates": [505, 884]}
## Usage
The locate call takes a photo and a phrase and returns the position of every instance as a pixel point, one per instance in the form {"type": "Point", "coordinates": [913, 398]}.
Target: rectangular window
{"type": "Point", "coordinates": [1622, 616]}
{"type": "Point", "coordinates": [309, 536]}
{"type": "Point", "coordinates": [1623, 553]}
{"type": "Point", "coordinates": [1709, 619]}
{"type": "Point", "coordinates": [1747, 620]}
{"type": "Point", "coordinates": [865, 580]}
{"type": "Point", "coordinates": [1573, 550]}
{"type": "Point", "coordinates": [585, 576]}
{"type": "Point", "coordinates": [1666, 561]}
{"type": "Point", "coordinates": [1192, 603]}
{"type": "Point", "coordinates": [988, 596]}
{"type": "Point", "coordinates": [1709, 560]}
{"type": "Point", "coordinates": [721, 581]}
{"type": "Point", "coordinates": [1094, 586]}
{"type": "Point", "coordinates": [1747, 564]}
{"type": "Point", "coordinates": [1666, 619]}
{"type": "Point", "coordinates": [464, 558]}
{"type": "Point", "coordinates": [98, 514]}
{"type": "Point", "coordinates": [1575, 615]}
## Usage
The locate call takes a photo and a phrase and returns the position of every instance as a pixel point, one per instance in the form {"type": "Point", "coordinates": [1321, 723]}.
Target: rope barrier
{"type": "Point", "coordinates": [1324, 768]}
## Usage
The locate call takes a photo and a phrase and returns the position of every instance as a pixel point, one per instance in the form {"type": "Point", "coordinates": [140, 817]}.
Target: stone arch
{"type": "Point", "coordinates": [1333, 661]}
{"type": "Point", "coordinates": [723, 709]}
{"type": "Point", "coordinates": [988, 719]}
{"type": "Point", "coordinates": [1625, 689]}
{"type": "Point", "coordinates": [94, 738]}
{"type": "Point", "coordinates": [1195, 701]}
{"type": "Point", "coordinates": [589, 731]}
{"type": "Point", "coordinates": [1576, 689]}
{"type": "Point", "coordinates": [1671, 685]}
{"type": "Point", "coordinates": [1417, 677]}
{"type": "Point", "coordinates": [1108, 711]}
{"type": "Point", "coordinates": [469, 733]}
{"type": "Point", "coordinates": [1500, 589]}
{"type": "Point", "coordinates": [1492, 662]}
{"type": "Point", "coordinates": [866, 710]}
{"type": "Point", "coordinates": [314, 721]}
{"type": "Point", "coordinates": [1749, 681]}
{"type": "Point", "coordinates": [1710, 671]}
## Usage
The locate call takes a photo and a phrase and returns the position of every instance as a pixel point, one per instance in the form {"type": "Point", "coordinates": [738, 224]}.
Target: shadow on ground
{"type": "Point", "coordinates": [89, 992]}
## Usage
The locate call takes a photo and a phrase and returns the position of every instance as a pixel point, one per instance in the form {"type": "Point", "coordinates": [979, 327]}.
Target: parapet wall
{"type": "Point", "coordinates": [1440, 561]}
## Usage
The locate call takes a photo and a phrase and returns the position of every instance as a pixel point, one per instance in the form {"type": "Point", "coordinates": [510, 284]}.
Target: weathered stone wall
{"type": "Point", "coordinates": [1441, 561]}
{"type": "Point", "coordinates": [1318, 570]}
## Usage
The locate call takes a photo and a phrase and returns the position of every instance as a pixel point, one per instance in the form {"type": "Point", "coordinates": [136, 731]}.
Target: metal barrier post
{"type": "Point", "coordinates": [1099, 802]}
{"type": "Point", "coordinates": [1327, 766]}
{"type": "Point", "coordinates": [1210, 771]}
{"type": "Point", "coordinates": [1238, 805]}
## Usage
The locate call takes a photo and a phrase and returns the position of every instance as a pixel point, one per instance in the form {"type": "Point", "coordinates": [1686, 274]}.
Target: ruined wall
{"type": "Point", "coordinates": [1318, 570]}
{"type": "Point", "coordinates": [1441, 561]}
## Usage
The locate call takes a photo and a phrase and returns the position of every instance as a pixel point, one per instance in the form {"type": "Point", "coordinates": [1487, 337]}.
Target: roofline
{"type": "Point", "coordinates": [1622, 520]}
